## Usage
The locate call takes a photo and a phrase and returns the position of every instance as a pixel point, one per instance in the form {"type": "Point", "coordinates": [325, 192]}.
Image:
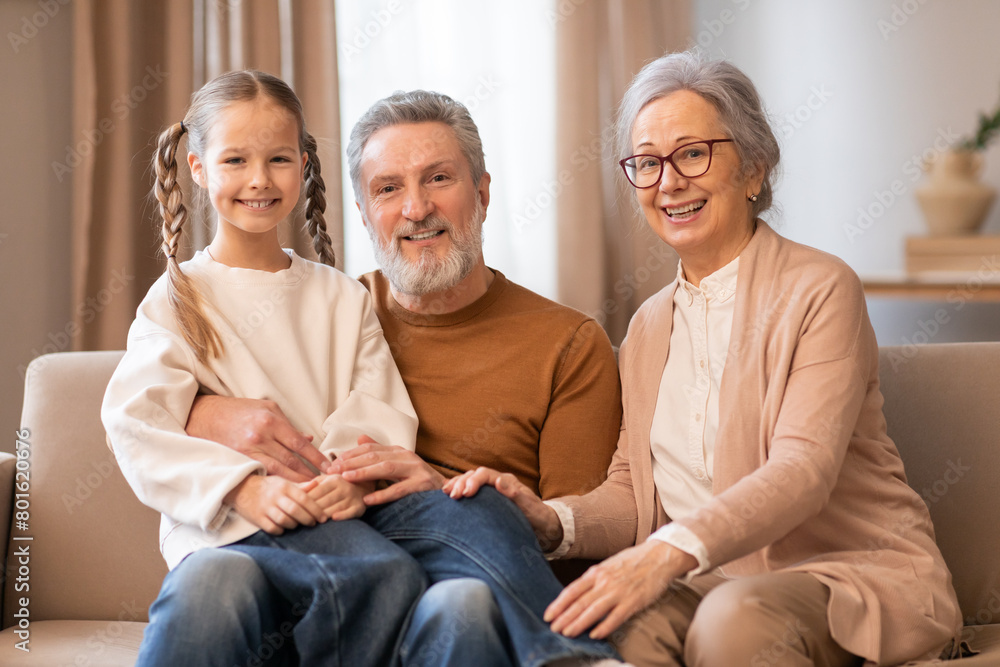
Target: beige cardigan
{"type": "Point", "coordinates": [805, 477]}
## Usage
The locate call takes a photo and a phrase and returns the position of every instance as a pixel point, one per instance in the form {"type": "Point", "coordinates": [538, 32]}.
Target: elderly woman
{"type": "Point", "coordinates": [768, 509]}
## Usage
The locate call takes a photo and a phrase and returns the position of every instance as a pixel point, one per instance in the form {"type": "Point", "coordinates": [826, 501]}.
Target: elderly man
{"type": "Point", "coordinates": [499, 376]}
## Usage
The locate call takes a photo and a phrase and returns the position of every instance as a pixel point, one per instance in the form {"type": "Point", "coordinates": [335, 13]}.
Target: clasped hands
{"type": "Point", "coordinates": [609, 593]}
{"type": "Point", "coordinates": [291, 494]}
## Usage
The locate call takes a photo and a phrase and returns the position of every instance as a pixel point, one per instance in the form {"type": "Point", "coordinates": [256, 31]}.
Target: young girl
{"type": "Point", "coordinates": [247, 318]}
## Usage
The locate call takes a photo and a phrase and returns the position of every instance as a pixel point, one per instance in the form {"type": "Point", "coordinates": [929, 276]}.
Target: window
{"type": "Point", "coordinates": [496, 58]}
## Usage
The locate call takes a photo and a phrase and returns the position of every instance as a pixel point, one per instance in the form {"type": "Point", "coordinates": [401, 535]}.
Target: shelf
{"type": "Point", "coordinates": [951, 286]}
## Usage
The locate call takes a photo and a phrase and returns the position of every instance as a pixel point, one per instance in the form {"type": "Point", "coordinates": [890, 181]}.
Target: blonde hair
{"type": "Point", "coordinates": [242, 86]}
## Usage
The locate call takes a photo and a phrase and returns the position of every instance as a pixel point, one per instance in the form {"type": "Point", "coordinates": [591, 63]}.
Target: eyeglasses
{"type": "Point", "coordinates": [690, 161]}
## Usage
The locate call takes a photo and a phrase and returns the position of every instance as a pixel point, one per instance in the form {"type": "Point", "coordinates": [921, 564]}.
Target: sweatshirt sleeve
{"type": "Point", "coordinates": [377, 404]}
{"type": "Point", "coordinates": [144, 412]}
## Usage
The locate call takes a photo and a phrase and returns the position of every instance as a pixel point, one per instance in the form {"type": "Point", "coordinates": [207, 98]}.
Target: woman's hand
{"type": "Point", "coordinates": [274, 504]}
{"type": "Point", "coordinates": [618, 588]}
{"type": "Point", "coordinates": [339, 498]}
{"type": "Point", "coordinates": [543, 519]}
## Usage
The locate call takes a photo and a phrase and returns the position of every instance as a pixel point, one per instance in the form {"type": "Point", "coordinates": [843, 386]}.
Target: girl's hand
{"type": "Point", "coordinates": [543, 519]}
{"type": "Point", "coordinates": [618, 588]}
{"type": "Point", "coordinates": [338, 498]}
{"type": "Point", "coordinates": [274, 504]}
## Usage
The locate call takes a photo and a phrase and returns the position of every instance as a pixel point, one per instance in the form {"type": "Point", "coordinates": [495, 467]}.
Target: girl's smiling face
{"type": "Point", "coordinates": [252, 166]}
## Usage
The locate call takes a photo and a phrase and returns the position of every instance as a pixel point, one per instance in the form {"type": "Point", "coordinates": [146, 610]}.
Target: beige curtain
{"type": "Point", "coordinates": [136, 65]}
{"type": "Point", "coordinates": [609, 261]}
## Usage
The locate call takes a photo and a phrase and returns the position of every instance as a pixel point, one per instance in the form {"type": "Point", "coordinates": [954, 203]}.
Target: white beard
{"type": "Point", "coordinates": [429, 273]}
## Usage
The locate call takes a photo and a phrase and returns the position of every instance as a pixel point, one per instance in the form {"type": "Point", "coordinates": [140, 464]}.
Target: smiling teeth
{"type": "Point", "coordinates": [258, 203]}
{"type": "Point", "coordinates": [687, 208]}
{"type": "Point", "coordinates": [423, 235]}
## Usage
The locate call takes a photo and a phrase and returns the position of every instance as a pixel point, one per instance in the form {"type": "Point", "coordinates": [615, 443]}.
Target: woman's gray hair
{"type": "Point", "coordinates": [416, 106]}
{"type": "Point", "coordinates": [727, 89]}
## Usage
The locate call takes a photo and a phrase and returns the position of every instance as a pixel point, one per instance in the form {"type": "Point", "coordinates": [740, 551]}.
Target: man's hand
{"type": "Point", "coordinates": [543, 519]}
{"type": "Point", "coordinates": [618, 588]}
{"type": "Point", "coordinates": [338, 498]}
{"type": "Point", "coordinates": [371, 462]}
{"type": "Point", "coordinates": [258, 429]}
{"type": "Point", "coordinates": [274, 504]}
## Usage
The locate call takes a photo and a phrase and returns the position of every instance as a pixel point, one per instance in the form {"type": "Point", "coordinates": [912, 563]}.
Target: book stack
{"type": "Point", "coordinates": [951, 253]}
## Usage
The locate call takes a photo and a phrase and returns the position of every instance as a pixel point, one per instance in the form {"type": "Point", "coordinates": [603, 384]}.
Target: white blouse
{"type": "Point", "coordinates": [686, 417]}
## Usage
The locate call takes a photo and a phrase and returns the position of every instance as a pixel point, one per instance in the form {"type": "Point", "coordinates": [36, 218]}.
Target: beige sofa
{"type": "Point", "coordinates": [93, 566]}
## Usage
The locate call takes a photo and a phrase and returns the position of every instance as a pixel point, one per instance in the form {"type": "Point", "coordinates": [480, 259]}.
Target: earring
{"type": "Point", "coordinates": [752, 198]}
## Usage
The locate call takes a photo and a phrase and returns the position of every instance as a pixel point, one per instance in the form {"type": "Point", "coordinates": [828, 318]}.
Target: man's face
{"type": "Point", "coordinates": [421, 207]}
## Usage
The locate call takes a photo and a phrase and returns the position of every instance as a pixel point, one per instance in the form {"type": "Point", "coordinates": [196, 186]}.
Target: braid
{"type": "Point", "coordinates": [182, 293]}
{"type": "Point", "coordinates": [316, 204]}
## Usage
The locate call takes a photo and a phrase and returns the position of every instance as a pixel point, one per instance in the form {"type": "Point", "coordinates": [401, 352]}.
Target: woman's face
{"type": "Point", "coordinates": [706, 219]}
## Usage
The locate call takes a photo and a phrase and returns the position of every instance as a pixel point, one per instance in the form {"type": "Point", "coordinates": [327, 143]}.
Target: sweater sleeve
{"type": "Point", "coordinates": [144, 412]}
{"type": "Point", "coordinates": [578, 437]}
{"type": "Point", "coordinates": [605, 519]}
{"type": "Point", "coordinates": [377, 405]}
{"type": "Point", "coordinates": [820, 404]}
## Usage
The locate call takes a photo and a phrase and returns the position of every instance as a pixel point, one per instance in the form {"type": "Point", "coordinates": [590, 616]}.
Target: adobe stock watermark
{"type": "Point", "coordinates": [780, 647]}
{"type": "Point", "coordinates": [926, 330]}
{"type": "Point", "coordinates": [364, 35]}
{"type": "Point", "coordinates": [91, 307]}
{"type": "Point", "coordinates": [659, 255]}
{"type": "Point", "coordinates": [714, 28]}
{"type": "Point", "coordinates": [802, 114]}
{"type": "Point", "coordinates": [121, 107]}
{"type": "Point", "coordinates": [562, 11]}
{"type": "Point", "coordinates": [580, 159]}
{"type": "Point", "coordinates": [30, 25]}
{"type": "Point", "coordinates": [899, 15]}
{"type": "Point", "coordinates": [883, 200]}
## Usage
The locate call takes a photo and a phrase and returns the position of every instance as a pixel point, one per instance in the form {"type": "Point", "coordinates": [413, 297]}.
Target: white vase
{"type": "Point", "coordinates": [954, 201]}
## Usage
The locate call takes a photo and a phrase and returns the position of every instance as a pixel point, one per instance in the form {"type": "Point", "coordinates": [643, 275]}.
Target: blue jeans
{"type": "Point", "coordinates": [340, 592]}
{"type": "Point", "coordinates": [487, 538]}
{"type": "Point", "coordinates": [484, 538]}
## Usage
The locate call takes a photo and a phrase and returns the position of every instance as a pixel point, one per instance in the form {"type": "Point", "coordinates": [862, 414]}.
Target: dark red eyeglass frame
{"type": "Point", "coordinates": [670, 158]}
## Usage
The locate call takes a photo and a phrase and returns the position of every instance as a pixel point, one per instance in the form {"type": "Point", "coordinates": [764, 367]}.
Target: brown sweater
{"type": "Point", "coordinates": [806, 478]}
{"type": "Point", "coordinates": [513, 381]}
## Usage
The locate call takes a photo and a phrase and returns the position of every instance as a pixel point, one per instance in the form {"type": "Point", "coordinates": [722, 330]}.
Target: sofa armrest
{"type": "Point", "coordinates": [7, 462]}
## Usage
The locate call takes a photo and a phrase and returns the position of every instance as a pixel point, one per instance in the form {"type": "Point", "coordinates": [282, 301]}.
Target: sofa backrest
{"type": "Point", "coordinates": [95, 556]}
{"type": "Point", "coordinates": [942, 406]}
{"type": "Point", "coordinates": [94, 553]}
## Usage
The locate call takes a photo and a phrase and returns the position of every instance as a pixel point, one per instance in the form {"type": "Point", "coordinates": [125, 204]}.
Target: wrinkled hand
{"type": "Point", "coordinates": [371, 462]}
{"type": "Point", "coordinates": [274, 504]}
{"type": "Point", "coordinates": [339, 498]}
{"type": "Point", "coordinates": [618, 588]}
{"type": "Point", "coordinates": [258, 429]}
{"type": "Point", "coordinates": [543, 519]}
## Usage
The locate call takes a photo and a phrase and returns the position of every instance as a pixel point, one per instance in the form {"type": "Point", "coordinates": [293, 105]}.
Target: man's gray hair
{"type": "Point", "coordinates": [416, 106]}
{"type": "Point", "coordinates": [727, 89]}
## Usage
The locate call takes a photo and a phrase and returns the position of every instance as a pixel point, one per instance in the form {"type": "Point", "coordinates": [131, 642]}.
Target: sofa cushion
{"type": "Point", "coordinates": [94, 553]}
{"type": "Point", "coordinates": [941, 411]}
{"type": "Point", "coordinates": [104, 643]}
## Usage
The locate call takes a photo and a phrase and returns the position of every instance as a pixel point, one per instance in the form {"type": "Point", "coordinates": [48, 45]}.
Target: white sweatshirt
{"type": "Point", "coordinates": [305, 337]}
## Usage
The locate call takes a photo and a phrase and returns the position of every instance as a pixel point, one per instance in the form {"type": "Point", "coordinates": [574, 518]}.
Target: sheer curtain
{"type": "Point", "coordinates": [136, 65]}
{"type": "Point", "coordinates": [609, 261]}
{"type": "Point", "coordinates": [498, 59]}
{"type": "Point", "coordinates": [542, 80]}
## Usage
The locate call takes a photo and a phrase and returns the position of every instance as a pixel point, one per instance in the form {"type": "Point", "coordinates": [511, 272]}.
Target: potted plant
{"type": "Point", "coordinates": [954, 200]}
